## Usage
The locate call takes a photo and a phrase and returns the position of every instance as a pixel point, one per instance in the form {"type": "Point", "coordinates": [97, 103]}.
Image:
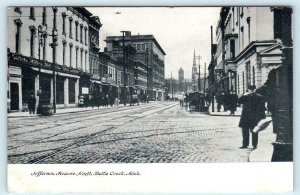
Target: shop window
{"type": "Point", "coordinates": [59, 90]}
{"type": "Point", "coordinates": [72, 83]}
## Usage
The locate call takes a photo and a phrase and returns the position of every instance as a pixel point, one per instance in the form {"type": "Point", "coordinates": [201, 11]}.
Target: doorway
{"type": "Point", "coordinates": [14, 96]}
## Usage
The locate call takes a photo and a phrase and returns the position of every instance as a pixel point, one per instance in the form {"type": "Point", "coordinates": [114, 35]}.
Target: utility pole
{"type": "Point", "coordinates": [213, 71]}
{"type": "Point", "coordinates": [53, 45]}
{"type": "Point", "coordinates": [199, 77]}
{"type": "Point", "coordinates": [124, 69]}
{"type": "Point", "coordinates": [172, 85]}
{"type": "Point", "coordinates": [204, 77]}
{"type": "Point", "coordinates": [147, 72]}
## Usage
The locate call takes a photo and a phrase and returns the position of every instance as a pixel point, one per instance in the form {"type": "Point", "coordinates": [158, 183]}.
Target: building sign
{"type": "Point", "coordinates": [85, 90]}
{"type": "Point", "coordinates": [14, 70]}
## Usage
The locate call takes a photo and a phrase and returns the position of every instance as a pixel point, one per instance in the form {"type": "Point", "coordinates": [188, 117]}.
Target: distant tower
{"type": "Point", "coordinates": [181, 75]}
{"type": "Point", "coordinates": [181, 79]}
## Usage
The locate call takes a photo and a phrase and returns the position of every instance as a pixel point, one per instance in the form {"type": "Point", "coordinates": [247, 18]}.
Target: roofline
{"type": "Point", "coordinates": [126, 39]}
{"type": "Point", "coordinates": [253, 44]}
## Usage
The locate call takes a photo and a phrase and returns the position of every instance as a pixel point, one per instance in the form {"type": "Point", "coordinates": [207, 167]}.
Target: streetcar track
{"type": "Point", "coordinates": [67, 123]}
{"type": "Point", "coordinates": [64, 133]}
{"type": "Point", "coordinates": [87, 138]}
{"type": "Point", "coordinates": [81, 115]}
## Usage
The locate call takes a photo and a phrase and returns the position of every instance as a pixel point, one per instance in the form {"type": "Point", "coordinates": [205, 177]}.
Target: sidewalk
{"type": "Point", "coordinates": [64, 111]}
{"type": "Point", "coordinates": [237, 113]}
{"type": "Point", "coordinates": [264, 150]}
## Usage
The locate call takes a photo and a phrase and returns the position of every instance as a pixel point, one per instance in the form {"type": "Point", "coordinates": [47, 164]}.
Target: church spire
{"type": "Point", "coordinates": [194, 59]}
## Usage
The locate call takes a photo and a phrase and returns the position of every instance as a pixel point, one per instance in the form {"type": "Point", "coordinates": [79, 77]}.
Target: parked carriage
{"type": "Point", "coordinates": [134, 99]}
{"type": "Point", "coordinates": [197, 101]}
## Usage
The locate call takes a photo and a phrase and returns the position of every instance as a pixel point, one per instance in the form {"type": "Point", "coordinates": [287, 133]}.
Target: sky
{"type": "Point", "coordinates": [179, 31]}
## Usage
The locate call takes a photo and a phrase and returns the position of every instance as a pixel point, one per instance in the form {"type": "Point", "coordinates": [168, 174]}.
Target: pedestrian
{"type": "Point", "coordinates": [232, 103]}
{"type": "Point", "coordinates": [31, 104]}
{"type": "Point", "coordinates": [219, 99]}
{"type": "Point", "coordinates": [253, 111]}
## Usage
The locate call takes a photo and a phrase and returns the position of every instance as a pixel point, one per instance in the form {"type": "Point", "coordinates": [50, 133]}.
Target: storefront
{"type": "Point", "coordinates": [14, 96]}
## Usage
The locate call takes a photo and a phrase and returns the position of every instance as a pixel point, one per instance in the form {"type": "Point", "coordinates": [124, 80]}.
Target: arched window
{"type": "Point", "coordinates": [32, 40]}
{"type": "Point", "coordinates": [18, 24]}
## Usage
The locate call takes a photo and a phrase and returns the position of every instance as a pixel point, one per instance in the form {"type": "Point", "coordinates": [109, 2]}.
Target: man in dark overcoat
{"type": "Point", "coordinates": [31, 104]}
{"type": "Point", "coordinates": [253, 111]}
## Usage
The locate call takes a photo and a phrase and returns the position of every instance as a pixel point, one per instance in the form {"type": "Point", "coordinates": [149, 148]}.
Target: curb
{"type": "Point", "coordinates": [36, 116]}
{"type": "Point", "coordinates": [262, 154]}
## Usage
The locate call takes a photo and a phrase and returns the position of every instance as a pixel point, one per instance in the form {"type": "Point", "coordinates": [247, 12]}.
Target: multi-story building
{"type": "Point", "coordinates": [249, 45]}
{"type": "Point", "coordinates": [95, 65]}
{"type": "Point", "coordinates": [144, 62]}
{"type": "Point", "coordinates": [47, 44]}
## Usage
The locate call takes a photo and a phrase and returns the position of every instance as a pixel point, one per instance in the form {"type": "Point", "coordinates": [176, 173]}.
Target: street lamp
{"type": "Point", "coordinates": [53, 45]}
{"type": "Point", "coordinates": [41, 33]}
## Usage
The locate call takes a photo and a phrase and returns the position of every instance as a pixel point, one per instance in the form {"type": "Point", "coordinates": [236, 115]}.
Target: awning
{"type": "Point", "coordinates": [57, 73]}
{"type": "Point", "coordinates": [95, 81]}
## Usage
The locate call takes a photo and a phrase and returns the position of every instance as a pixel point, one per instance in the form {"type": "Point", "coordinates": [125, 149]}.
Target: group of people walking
{"type": "Point", "coordinates": [228, 100]}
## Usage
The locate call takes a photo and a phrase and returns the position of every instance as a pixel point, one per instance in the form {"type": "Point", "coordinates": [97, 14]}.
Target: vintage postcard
{"type": "Point", "coordinates": [150, 99]}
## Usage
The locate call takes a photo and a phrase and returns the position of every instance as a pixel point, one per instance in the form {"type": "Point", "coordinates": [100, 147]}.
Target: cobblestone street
{"type": "Point", "coordinates": [158, 132]}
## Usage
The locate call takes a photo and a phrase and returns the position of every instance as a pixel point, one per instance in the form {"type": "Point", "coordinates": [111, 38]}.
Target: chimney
{"type": "Point", "coordinates": [128, 34]}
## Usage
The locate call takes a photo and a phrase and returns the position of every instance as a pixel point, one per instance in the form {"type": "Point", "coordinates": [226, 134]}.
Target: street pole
{"type": "Point", "coordinates": [199, 77]}
{"type": "Point", "coordinates": [40, 34]}
{"type": "Point", "coordinates": [147, 74]}
{"type": "Point", "coordinates": [199, 84]}
{"type": "Point", "coordinates": [124, 68]}
{"type": "Point", "coordinates": [172, 85]}
{"type": "Point", "coordinates": [53, 45]}
{"type": "Point", "coordinates": [213, 70]}
{"type": "Point", "coordinates": [204, 77]}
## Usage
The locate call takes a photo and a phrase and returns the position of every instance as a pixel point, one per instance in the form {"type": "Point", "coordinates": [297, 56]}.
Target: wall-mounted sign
{"type": "Point", "coordinates": [14, 70]}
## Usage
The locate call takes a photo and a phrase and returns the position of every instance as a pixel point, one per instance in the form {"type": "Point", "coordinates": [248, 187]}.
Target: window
{"type": "Point", "coordinates": [71, 48]}
{"type": "Point", "coordinates": [76, 57]}
{"type": "Point", "coordinates": [70, 33]}
{"type": "Point", "coordinates": [64, 23]}
{"type": "Point", "coordinates": [44, 46]}
{"type": "Point", "coordinates": [18, 24]}
{"type": "Point", "coordinates": [44, 16]}
{"type": "Point", "coordinates": [243, 82]}
{"type": "Point", "coordinates": [238, 84]}
{"type": "Point", "coordinates": [64, 52]}
{"type": "Point", "coordinates": [85, 60]}
{"type": "Point", "coordinates": [242, 30]}
{"type": "Point", "coordinates": [54, 17]}
{"type": "Point", "coordinates": [76, 30]}
{"type": "Point", "coordinates": [138, 47]}
{"type": "Point", "coordinates": [248, 74]}
{"type": "Point", "coordinates": [85, 35]}
{"type": "Point", "coordinates": [18, 10]}
{"type": "Point", "coordinates": [253, 75]}
{"type": "Point", "coordinates": [32, 40]}
{"type": "Point", "coordinates": [233, 18]}
{"type": "Point", "coordinates": [237, 15]}
{"type": "Point", "coordinates": [232, 49]}
{"type": "Point", "coordinates": [81, 28]}
{"type": "Point", "coordinates": [31, 16]}
{"type": "Point", "coordinates": [81, 55]}
{"type": "Point", "coordinates": [143, 46]}
{"type": "Point", "coordinates": [242, 11]}
{"type": "Point", "coordinates": [249, 32]}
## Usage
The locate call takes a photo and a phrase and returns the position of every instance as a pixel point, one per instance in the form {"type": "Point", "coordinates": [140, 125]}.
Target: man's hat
{"type": "Point", "coordinates": [252, 87]}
